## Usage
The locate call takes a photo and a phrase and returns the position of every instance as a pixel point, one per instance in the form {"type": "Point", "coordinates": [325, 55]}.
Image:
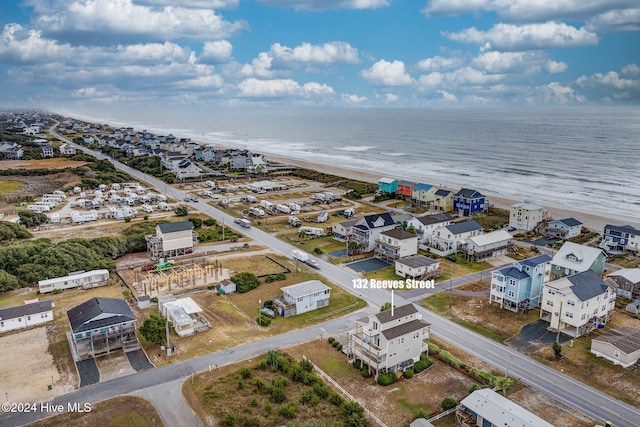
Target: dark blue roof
{"type": "Point", "coordinates": [370, 219]}
{"type": "Point", "coordinates": [464, 227]}
{"type": "Point", "coordinates": [443, 192]}
{"type": "Point", "coordinates": [570, 222]}
{"type": "Point", "coordinates": [587, 285]}
{"type": "Point", "coordinates": [468, 193]}
{"type": "Point", "coordinates": [99, 313]}
{"type": "Point", "coordinates": [622, 228]}
{"type": "Point", "coordinates": [172, 227]}
{"type": "Point", "coordinates": [536, 260]}
{"type": "Point", "coordinates": [434, 219]}
{"type": "Point", "coordinates": [513, 272]}
{"type": "Point", "coordinates": [25, 310]}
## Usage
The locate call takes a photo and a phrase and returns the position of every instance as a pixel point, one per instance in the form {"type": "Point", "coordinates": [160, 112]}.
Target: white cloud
{"type": "Point", "coordinates": [615, 21]}
{"type": "Point", "coordinates": [216, 52]}
{"type": "Point", "coordinates": [556, 93]}
{"type": "Point", "coordinates": [102, 21]}
{"type": "Point", "coordinates": [439, 63]}
{"type": "Point", "coordinates": [530, 62]}
{"type": "Point", "coordinates": [202, 82]}
{"type": "Point", "coordinates": [282, 88]}
{"type": "Point", "coordinates": [528, 10]}
{"type": "Point", "coordinates": [317, 5]}
{"type": "Point", "coordinates": [384, 73]}
{"type": "Point", "coordinates": [446, 96]}
{"type": "Point", "coordinates": [19, 45]}
{"type": "Point", "coordinates": [522, 37]}
{"type": "Point", "coordinates": [623, 85]}
{"type": "Point", "coordinates": [353, 99]}
{"type": "Point", "coordinates": [259, 67]}
{"type": "Point", "coordinates": [326, 54]}
{"type": "Point", "coordinates": [198, 4]}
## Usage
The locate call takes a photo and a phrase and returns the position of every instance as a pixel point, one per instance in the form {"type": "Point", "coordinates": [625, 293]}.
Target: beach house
{"type": "Point", "coordinates": [366, 232]}
{"type": "Point", "coordinates": [388, 185]}
{"type": "Point", "coordinates": [573, 258]}
{"type": "Point", "coordinates": [172, 239]}
{"type": "Point", "coordinates": [467, 202]}
{"type": "Point", "coordinates": [519, 287]}
{"type": "Point", "coordinates": [417, 267]}
{"type": "Point", "coordinates": [620, 346]}
{"type": "Point", "coordinates": [488, 245]}
{"type": "Point", "coordinates": [525, 216]}
{"type": "Point", "coordinates": [301, 298]}
{"type": "Point", "coordinates": [576, 305]}
{"type": "Point", "coordinates": [564, 228]}
{"type": "Point", "coordinates": [626, 282]}
{"type": "Point", "coordinates": [426, 224]}
{"type": "Point", "coordinates": [452, 238]}
{"type": "Point", "coordinates": [30, 313]}
{"type": "Point", "coordinates": [423, 194]}
{"type": "Point", "coordinates": [396, 243]}
{"type": "Point", "coordinates": [443, 200]}
{"type": "Point", "coordinates": [389, 341]}
{"type": "Point", "coordinates": [405, 189]}
{"type": "Point", "coordinates": [487, 408]}
{"type": "Point", "coordinates": [184, 314]}
{"type": "Point", "coordinates": [619, 238]}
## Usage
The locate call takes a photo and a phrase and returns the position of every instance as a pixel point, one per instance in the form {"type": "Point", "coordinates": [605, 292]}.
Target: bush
{"type": "Point", "coordinates": [450, 359]}
{"type": "Point", "coordinates": [421, 365]}
{"type": "Point", "coordinates": [339, 347]}
{"type": "Point", "coordinates": [336, 399]}
{"type": "Point", "coordinates": [449, 403]}
{"type": "Point", "coordinates": [263, 321]}
{"type": "Point", "coordinates": [331, 340]}
{"type": "Point", "coordinates": [335, 343]}
{"type": "Point", "coordinates": [288, 411]}
{"type": "Point", "coordinates": [473, 387]}
{"type": "Point", "coordinates": [245, 373]}
{"type": "Point", "coordinates": [318, 251]}
{"type": "Point", "coordinates": [281, 276]}
{"type": "Point", "coordinates": [387, 378]}
{"type": "Point", "coordinates": [321, 390]}
{"type": "Point", "coordinates": [365, 373]}
{"type": "Point", "coordinates": [209, 222]}
{"type": "Point", "coordinates": [433, 349]}
{"type": "Point", "coordinates": [357, 364]}
{"type": "Point", "coordinates": [245, 281]}
{"type": "Point", "coordinates": [353, 413]}
{"type": "Point", "coordinates": [197, 222]}
{"type": "Point", "coordinates": [408, 373]}
{"type": "Point", "coordinates": [277, 394]}
{"type": "Point", "coordinates": [420, 413]}
{"type": "Point", "coordinates": [229, 420]}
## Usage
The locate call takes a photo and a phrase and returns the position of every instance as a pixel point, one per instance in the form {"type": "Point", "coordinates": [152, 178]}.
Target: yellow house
{"type": "Point", "coordinates": [443, 201]}
{"type": "Point", "coordinates": [423, 194]}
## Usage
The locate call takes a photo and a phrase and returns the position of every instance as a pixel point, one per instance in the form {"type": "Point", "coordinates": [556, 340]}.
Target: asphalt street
{"type": "Point", "coordinates": [574, 394]}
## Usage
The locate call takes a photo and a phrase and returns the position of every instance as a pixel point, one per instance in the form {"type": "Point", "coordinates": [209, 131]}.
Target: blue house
{"type": "Point", "coordinates": [619, 238]}
{"type": "Point", "coordinates": [388, 185]}
{"type": "Point", "coordinates": [519, 287]}
{"type": "Point", "coordinates": [469, 202]}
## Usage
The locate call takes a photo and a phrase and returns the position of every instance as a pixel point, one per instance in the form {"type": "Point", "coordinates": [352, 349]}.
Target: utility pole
{"type": "Point", "coordinates": [167, 332]}
{"type": "Point", "coordinates": [506, 375]}
{"type": "Point", "coordinates": [559, 318]}
{"type": "Point", "coordinates": [451, 285]}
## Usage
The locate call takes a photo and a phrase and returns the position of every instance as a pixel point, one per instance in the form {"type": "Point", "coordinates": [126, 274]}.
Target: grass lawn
{"type": "Point", "coordinates": [10, 186]}
{"type": "Point", "coordinates": [258, 264]}
{"type": "Point", "coordinates": [119, 411]}
{"type": "Point", "coordinates": [461, 267]}
{"type": "Point", "coordinates": [493, 219]}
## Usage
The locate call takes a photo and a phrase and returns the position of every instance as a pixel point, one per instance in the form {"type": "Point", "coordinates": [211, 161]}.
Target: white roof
{"type": "Point", "coordinates": [179, 316]}
{"type": "Point", "coordinates": [305, 288]}
{"type": "Point", "coordinates": [631, 274]}
{"type": "Point", "coordinates": [386, 180]}
{"type": "Point", "coordinates": [84, 275]}
{"type": "Point", "coordinates": [527, 205]}
{"type": "Point", "coordinates": [585, 255]}
{"type": "Point", "coordinates": [501, 411]}
{"type": "Point", "coordinates": [187, 304]}
{"type": "Point", "coordinates": [489, 238]}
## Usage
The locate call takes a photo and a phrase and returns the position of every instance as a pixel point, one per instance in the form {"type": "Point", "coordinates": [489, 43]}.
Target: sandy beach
{"type": "Point", "coordinates": [591, 220]}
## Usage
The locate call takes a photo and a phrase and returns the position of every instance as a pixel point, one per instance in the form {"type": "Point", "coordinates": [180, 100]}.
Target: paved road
{"type": "Point", "coordinates": [564, 389]}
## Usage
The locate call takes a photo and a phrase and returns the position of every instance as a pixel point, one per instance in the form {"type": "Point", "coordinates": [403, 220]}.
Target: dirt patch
{"type": "Point", "coordinates": [36, 186]}
{"type": "Point", "coordinates": [53, 163]}
{"type": "Point", "coordinates": [124, 410]}
{"type": "Point", "coordinates": [553, 412]}
{"type": "Point", "coordinates": [114, 366]}
{"type": "Point", "coordinates": [28, 367]}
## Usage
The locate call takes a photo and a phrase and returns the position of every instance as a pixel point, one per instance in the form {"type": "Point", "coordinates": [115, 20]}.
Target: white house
{"type": "Point", "coordinates": [621, 346]}
{"type": "Point", "coordinates": [389, 341]}
{"type": "Point", "coordinates": [368, 228]}
{"type": "Point", "coordinates": [187, 169]}
{"type": "Point", "coordinates": [426, 224]}
{"type": "Point", "coordinates": [29, 314]}
{"type": "Point", "coordinates": [172, 239]}
{"type": "Point", "coordinates": [67, 149]}
{"type": "Point", "coordinates": [184, 314]}
{"type": "Point", "coordinates": [453, 238]}
{"type": "Point", "coordinates": [47, 151]}
{"type": "Point", "coordinates": [626, 282]}
{"type": "Point", "coordinates": [227, 287]}
{"type": "Point", "coordinates": [417, 266]}
{"type": "Point", "coordinates": [573, 258]}
{"type": "Point", "coordinates": [525, 216]}
{"type": "Point", "coordinates": [489, 245]}
{"type": "Point", "coordinates": [396, 243]}
{"type": "Point", "coordinates": [564, 228]}
{"type": "Point", "coordinates": [83, 280]}
{"type": "Point", "coordinates": [302, 297]}
{"type": "Point", "coordinates": [577, 304]}
{"type": "Point", "coordinates": [342, 230]}
{"type": "Point", "coordinates": [486, 407]}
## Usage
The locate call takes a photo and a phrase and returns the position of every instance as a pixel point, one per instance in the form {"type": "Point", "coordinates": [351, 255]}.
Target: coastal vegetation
{"type": "Point", "coordinates": [359, 187]}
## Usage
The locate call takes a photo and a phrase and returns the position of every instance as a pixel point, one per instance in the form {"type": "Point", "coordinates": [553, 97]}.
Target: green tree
{"type": "Point", "coordinates": [245, 281]}
{"type": "Point", "coordinates": [557, 350]}
{"type": "Point", "coordinates": [154, 329]}
{"type": "Point", "coordinates": [353, 414]}
{"type": "Point", "coordinates": [448, 403]}
{"type": "Point", "coordinates": [181, 211]}
{"type": "Point", "coordinates": [30, 219]}
{"type": "Point", "coordinates": [386, 306]}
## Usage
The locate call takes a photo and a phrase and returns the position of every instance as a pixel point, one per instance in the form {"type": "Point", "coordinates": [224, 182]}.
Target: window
{"type": "Point", "coordinates": [1, 324]}
{"type": "Point", "coordinates": [584, 316]}
{"type": "Point", "coordinates": [568, 314]}
{"type": "Point", "coordinates": [511, 294]}
{"type": "Point", "coordinates": [616, 354]}
{"type": "Point", "coordinates": [550, 303]}
{"type": "Point", "coordinates": [19, 319]}
{"type": "Point", "coordinates": [571, 303]}
{"type": "Point", "coordinates": [375, 325]}
{"type": "Point", "coordinates": [604, 308]}
{"type": "Point", "coordinates": [28, 317]}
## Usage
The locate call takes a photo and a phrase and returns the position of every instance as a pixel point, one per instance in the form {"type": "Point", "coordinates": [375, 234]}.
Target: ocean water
{"type": "Point", "coordinates": [585, 159]}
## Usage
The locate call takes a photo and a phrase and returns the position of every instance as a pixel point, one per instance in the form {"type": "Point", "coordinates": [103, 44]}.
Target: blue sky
{"type": "Point", "coordinates": [406, 53]}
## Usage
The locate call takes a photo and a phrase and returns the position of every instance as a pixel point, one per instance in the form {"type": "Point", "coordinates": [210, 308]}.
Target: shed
{"type": "Point", "coordinates": [227, 286]}
{"type": "Point", "coordinates": [634, 307]}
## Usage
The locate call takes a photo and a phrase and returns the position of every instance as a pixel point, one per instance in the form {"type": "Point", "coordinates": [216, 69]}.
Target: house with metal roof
{"type": "Point", "coordinates": [487, 408]}
{"type": "Point", "coordinates": [405, 189]}
{"type": "Point", "coordinates": [101, 326]}
{"type": "Point", "coordinates": [519, 286]}
{"type": "Point", "coordinates": [417, 266]}
{"type": "Point", "coordinates": [453, 238]}
{"type": "Point", "coordinates": [573, 258]}
{"type": "Point", "coordinates": [627, 282]}
{"type": "Point", "coordinates": [302, 297]}
{"type": "Point", "coordinates": [368, 228]}
{"type": "Point", "coordinates": [426, 224]}
{"type": "Point", "coordinates": [488, 245]}
{"type": "Point", "coordinates": [564, 228]}
{"type": "Point", "coordinates": [525, 216]}
{"type": "Point", "coordinates": [388, 185]}
{"type": "Point", "coordinates": [396, 243]}
{"type": "Point", "coordinates": [184, 314]}
{"type": "Point", "coordinates": [30, 313]}
{"type": "Point", "coordinates": [443, 200]}
{"type": "Point", "coordinates": [423, 194]}
{"type": "Point", "coordinates": [576, 305]}
{"type": "Point", "coordinates": [619, 238]}
{"type": "Point", "coordinates": [467, 202]}
{"type": "Point", "coordinates": [389, 341]}
{"type": "Point", "coordinates": [172, 239]}
{"type": "Point", "coordinates": [621, 346]}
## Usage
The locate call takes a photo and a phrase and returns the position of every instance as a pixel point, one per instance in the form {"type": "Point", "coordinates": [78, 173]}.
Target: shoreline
{"type": "Point", "coordinates": [590, 220]}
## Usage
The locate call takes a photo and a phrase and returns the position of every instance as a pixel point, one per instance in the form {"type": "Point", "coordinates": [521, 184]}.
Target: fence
{"type": "Point", "coordinates": [367, 412]}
